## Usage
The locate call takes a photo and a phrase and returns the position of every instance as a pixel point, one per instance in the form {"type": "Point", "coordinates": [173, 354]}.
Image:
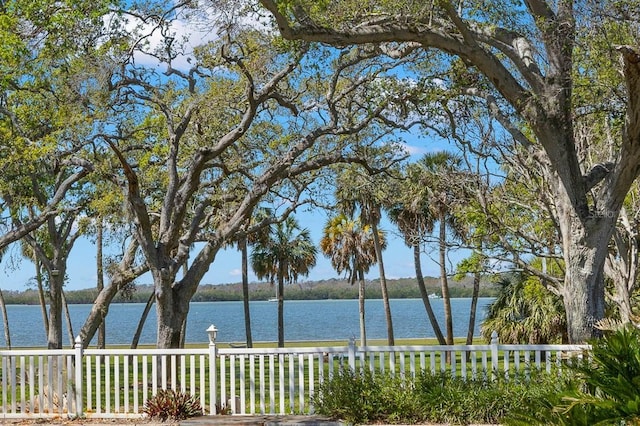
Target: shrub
{"type": "Point", "coordinates": [458, 401]}
{"type": "Point", "coordinates": [400, 400]}
{"type": "Point", "coordinates": [172, 405]}
{"type": "Point", "coordinates": [353, 397]}
{"type": "Point", "coordinates": [360, 398]}
{"type": "Point", "coordinates": [453, 400]}
{"type": "Point", "coordinates": [610, 390]}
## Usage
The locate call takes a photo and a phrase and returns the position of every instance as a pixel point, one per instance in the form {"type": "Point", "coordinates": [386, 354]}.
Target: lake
{"type": "Point", "coordinates": [304, 320]}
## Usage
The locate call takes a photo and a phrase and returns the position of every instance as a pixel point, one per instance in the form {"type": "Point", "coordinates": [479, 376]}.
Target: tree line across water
{"type": "Point", "coordinates": [402, 288]}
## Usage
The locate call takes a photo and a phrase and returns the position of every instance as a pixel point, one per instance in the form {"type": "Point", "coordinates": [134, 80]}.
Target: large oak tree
{"type": "Point", "coordinates": [526, 51]}
{"type": "Point", "coordinates": [251, 121]}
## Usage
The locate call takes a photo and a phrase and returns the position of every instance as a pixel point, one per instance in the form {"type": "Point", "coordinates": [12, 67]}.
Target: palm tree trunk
{"type": "Point", "coordinates": [100, 279]}
{"type": "Point", "coordinates": [425, 296]}
{"type": "Point", "coordinates": [383, 285]}
{"type": "Point", "coordinates": [361, 299]}
{"type": "Point", "coordinates": [245, 290]}
{"type": "Point", "coordinates": [446, 297]}
{"type": "Point", "coordinates": [280, 306]}
{"type": "Point", "coordinates": [474, 307]}
{"type": "Point", "coordinates": [5, 321]}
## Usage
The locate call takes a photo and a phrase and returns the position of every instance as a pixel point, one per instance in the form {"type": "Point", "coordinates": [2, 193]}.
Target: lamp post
{"type": "Point", "coordinates": [212, 331]}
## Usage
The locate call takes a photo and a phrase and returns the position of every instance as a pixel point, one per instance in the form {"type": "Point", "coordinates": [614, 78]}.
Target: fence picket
{"type": "Point", "coordinates": [232, 384]}
{"type": "Point", "coordinates": [272, 383]}
{"type": "Point", "coordinates": [127, 384]}
{"type": "Point", "coordinates": [311, 382]}
{"type": "Point", "coordinates": [262, 385]}
{"type": "Point", "coordinates": [223, 381]}
{"type": "Point", "coordinates": [281, 381]}
{"type": "Point", "coordinates": [252, 383]}
{"type": "Point", "coordinates": [291, 382]}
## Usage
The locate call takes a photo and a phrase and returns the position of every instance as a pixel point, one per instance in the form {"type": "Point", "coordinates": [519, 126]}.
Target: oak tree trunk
{"type": "Point", "coordinates": [41, 298]}
{"type": "Point", "coordinates": [54, 338]}
{"type": "Point", "coordinates": [143, 319]}
{"type": "Point", "coordinates": [171, 310]}
{"type": "Point", "coordinates": [67, 317]}
{"type": "Point", "coordinates": [584, 256]}
{"type": "Point", "coordinates": [5, 321]}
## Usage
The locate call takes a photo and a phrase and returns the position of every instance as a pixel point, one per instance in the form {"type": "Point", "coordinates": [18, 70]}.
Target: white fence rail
{"type": "Point", "coordinates": [113, 383]}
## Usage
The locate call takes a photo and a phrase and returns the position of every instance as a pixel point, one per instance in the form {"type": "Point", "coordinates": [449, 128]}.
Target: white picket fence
{"type": "Point", "coordinates": [114, 383]}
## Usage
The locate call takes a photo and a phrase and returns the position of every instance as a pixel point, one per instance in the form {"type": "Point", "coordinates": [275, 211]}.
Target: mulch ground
{"type": "Point", "coordinates": [89, 421]}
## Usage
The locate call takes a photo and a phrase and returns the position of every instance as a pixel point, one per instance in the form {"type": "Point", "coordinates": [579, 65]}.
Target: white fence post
{"type": "Point", "coordinates": [494, 355]}
{"type": "Point", "coordinates": [352, 354]}
{"type": "Point", "coordinates": [212, 332]}
{"type": "Point", "coordinates": [78, 377]}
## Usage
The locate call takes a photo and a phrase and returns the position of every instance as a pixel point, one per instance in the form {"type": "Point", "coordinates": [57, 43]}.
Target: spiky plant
{"type": "Point", "coordinates": [172, 405]}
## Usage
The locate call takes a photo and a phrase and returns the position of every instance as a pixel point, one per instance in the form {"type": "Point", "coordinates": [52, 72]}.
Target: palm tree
{"type": "Point", "coordinates": [286, 255]}
{"type": "Point", "coordinates": [476, 233]}
{"type": "Point", "coordinates": [475, 264]}
{"type": "Point", "coordinates": [525, 312]}
{"type": "Point", "coordinates": [350, 246]}
{"type": "Point", "coordinates": [439, 175]}
{"type": "Point", "coordinates": [366, 193]}
{"type": "Point", "coordinates": [259, 235]}
{"type": "Point", "coordinates": [410, 212]}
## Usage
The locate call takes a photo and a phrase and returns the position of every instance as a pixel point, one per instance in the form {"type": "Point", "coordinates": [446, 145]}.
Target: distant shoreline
{"type": "Point", "coordinates": [402, 288]}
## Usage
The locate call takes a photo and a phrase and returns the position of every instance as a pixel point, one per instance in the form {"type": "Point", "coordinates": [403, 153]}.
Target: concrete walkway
{"type": "Point", "coordinates": [260, 420]}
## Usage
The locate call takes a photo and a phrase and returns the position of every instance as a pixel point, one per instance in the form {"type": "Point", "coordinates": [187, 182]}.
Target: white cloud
{"type": "Point", "coordinates": [188, 28]}
{"type": "Point", "coordinates": [193, 28]}
{"type": "Point", "coordinates": [414, 150]}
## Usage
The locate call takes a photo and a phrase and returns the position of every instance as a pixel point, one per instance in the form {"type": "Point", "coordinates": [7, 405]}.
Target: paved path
{"type": "Point", "coordinates": [259, 420]}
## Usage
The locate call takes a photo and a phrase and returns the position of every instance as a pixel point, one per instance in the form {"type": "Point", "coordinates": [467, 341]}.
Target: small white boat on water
{"type": "Point", "coordinates": [434, 296]}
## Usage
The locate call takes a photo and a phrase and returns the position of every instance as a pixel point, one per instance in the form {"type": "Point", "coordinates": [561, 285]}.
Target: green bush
{"type": "Point", "coordinates": [400, 401]}
{"type": "Point", "coordinates": [172, 405]}
{"type": "Point", "coordinates": [363, 398]}
{"type": "Point", "coordinates": [353, 397]}
{"type": "Point", "coordinates": [610, 386]}
{"type": "Point", "coordinates": [458, 401]}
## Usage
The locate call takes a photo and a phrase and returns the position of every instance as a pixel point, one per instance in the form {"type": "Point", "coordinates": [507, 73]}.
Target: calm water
{"type": "Point", "coordinates": [304, 320]}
